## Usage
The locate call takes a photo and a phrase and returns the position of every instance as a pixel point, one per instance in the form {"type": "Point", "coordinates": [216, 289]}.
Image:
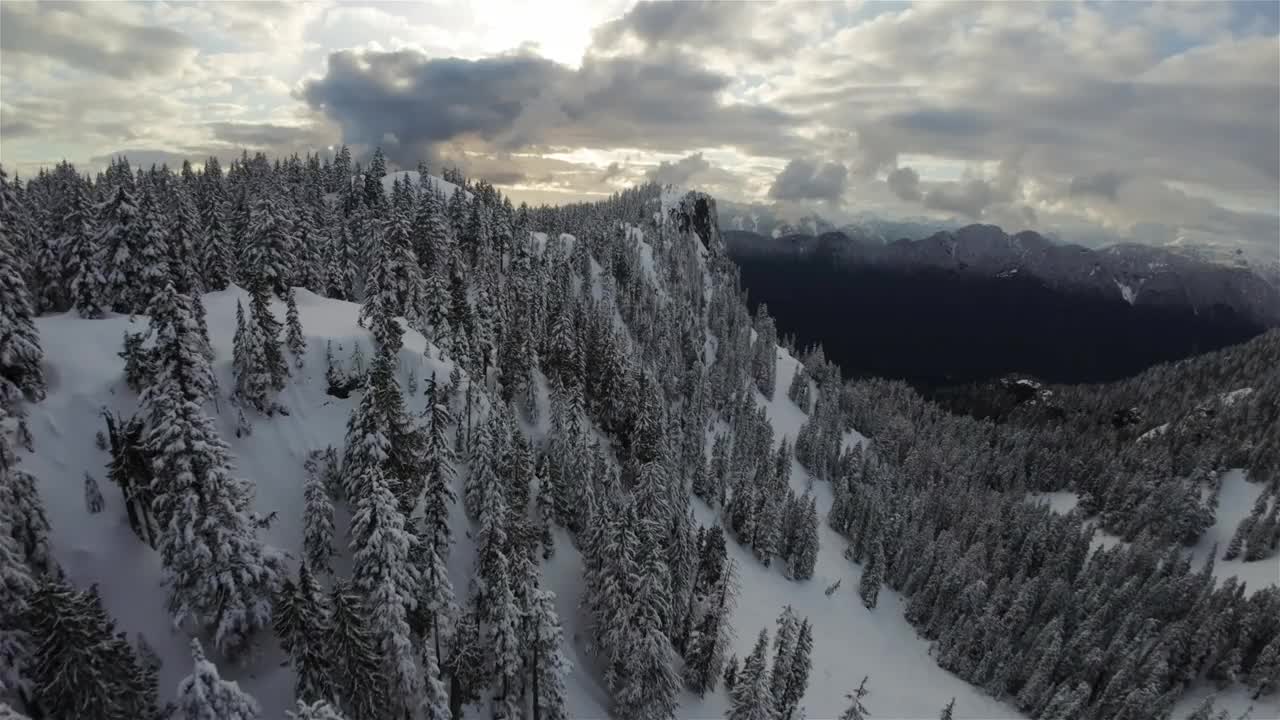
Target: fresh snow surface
{"type": "Point", "coordinates": [1154, 433]}
{"type": "Point", "coordinates": [1230, 398]}
{"type": "Point", "coordinates": [1235, 502]}
{"type": "Point", "coordinates": [1129, 294]}
{"type": "Point", "coordinates": [86, 375]}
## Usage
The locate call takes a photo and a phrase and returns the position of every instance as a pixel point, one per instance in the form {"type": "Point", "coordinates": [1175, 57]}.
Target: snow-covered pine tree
{"type": "Point", "coordinates": [154, 271]}
{"type": "Point", "coordinates": [217, 570]}
{"type": "Point", "coordinates": [438, 473]}
{"type": "Point", "coordinates": [382, 573]}
{"type": "Point", "coordinates": [204, 695]}
{"type": "Point", "coordinates": [81, 668]}
{"type": "Point", "coordinates": [20, 353]}
{"type": "Point", "coordinates": [804, 555]}
{"type": "Point", "coordinates": [22, 510]}
{"type": "Point", "coordinates": [751, 698]}
{"type": "Point", "coordinates": [784, 645]}
{"type": "Point", "coordinates": [120, 240]}
{"type": "Point", "coordinates": [215, 256]}
{"type": "Point", "coordinates": [186, 240]}
{"type": "Point", "coordinates": [269, 245]}
{"type": "Point", "coordinates": [317, 522]}
{"type": "Point", "coordinates": [294, 339]}
{"type": "Point", "coordinates": [85, 282]}
{"type": "Point", "coordinates": [301, 623]}
{"type": "Point", "coordinates": [503, 641]}
{"type": "Point", "coordinates": [318, 710]}
{"type": "Point", "coordinates": [856, 710]}
{"type": "Point", "coordinates": [800, 665]}
{"type": "Point", "coordinates": [872, 573]}
{"type": "Point", "coordinates": [948, 711]}
{"type": "Point", "coordinates": [269, 364]}
{"type": "Point", "coordinates": [359, 680]}
{"type": "Point", "coordinates": [16, 587]}
{"type": "Point", "coordinates": [549, 667]}
{"type": "Point", "coordinates": [713, 632]}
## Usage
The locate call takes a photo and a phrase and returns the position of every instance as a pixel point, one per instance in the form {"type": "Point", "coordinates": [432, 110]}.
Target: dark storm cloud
{"type": "Point", "coordinates": [809, 180]}
{"type": "Point", "coordinates": [669, 26]}
{"type": "Point", "coordinates": [82, 36]}
{"type": "Point", "coordinates": [280, 138]}
{"type": "Point", "coordinates": [935, 121]}
{"type": "Point", "coordinates": [409, 103]}
{"type": "Point", "coordinates": [905, 184]}
{"type": "Point", "coordinates": [614, 170]}
{"type": "Point", "coordinates": [968, 198]}
{"type": "Point", "coordinates": [680, 171]}
{"type": "Point", "coordinates": [1103, 185]}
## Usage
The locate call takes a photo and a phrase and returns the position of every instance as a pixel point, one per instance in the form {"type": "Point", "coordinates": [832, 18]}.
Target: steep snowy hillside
{"type": "Point", "coordinates": [86, 376]}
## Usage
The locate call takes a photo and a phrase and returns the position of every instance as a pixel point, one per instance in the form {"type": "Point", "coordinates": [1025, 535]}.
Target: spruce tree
{"type": "Point", "coordinates": [204, 695]}
{"type": "Point", "coordinates": [217, 570]}
{"type": "Point", "coordinates": [550, 668]}
{"type": "Point", "coordinates": [381, 571]}
{"type": "Point", "coordinates": [120, 240]}
{"type": "Point", "coordinates": [872, 574]}
{"type": "Point", "coordinates": [317, 523]}
{"type": "Point", "coordinates": [80, 666]}
{"type": "Point", "coordinates": [294, 338]}
{"type": "Point", "coordinates": [20, 353]}
{"type": "Point", "coordinates": [856, 710]}
{"type": "Point", "coordinates": [800, 665]}
{"type": "Point", "coordinates": [318, 710]}
{"type": "Point", "coordinates": [948, 711]}
{"type": "Point", "coordinates": [751, 698]}
{"type": "Point", "coordinates": [301, 623]}
{"type": "Point", "coordinates": [269, 246]}
{"type": "Point", "coordinates": [85, 282]}
{"type": "Point", "coordinates": [358, 675]}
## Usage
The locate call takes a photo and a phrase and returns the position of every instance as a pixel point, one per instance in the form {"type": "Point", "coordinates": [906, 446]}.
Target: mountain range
{"type": "Point", "coordinates": [977, 302]}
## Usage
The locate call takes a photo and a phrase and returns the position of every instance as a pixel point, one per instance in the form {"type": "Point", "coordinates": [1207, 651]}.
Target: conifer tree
{"type": "Point", "coordinates": [381, 571]}
{"type": "Point", "coordinates": [154, 270]}
{"type": "Point", "coordinates": [856, 710]}
{"type": "Point", "coordinates": [216, 253]}
{"type": "Point", "coordinates": [85, 282]}
{"type": "Point", "coordinates": [20, 353]}
{"type": "Point", "coordinates": [550, 667]}
{"type": "Point", "coordinates": [120, 240]}
{"type": "Point", "coordinates": [301, 623]}
{"type": "Point", "coordinates": [294, 338]}
{"type": "Point", "coordinates": [751, 698]}
{"type": "Point", "coordinates": [784, 645]}
{"type": "Point", "coordinates": [204, 695]}
{"type": "Point", "coordinates": [948, 711]}
{"type": "Point", "coordinates": [318, 710]}
{"type": "Point", "coordinates": [800, 666]}
{"type": "Point", "coordinates": [217, 570]}
{"type": "Point", "coordinates": [269, 244]}
{"type": "Point", "coordinates": [357, 668]}
{"type": "Point", "coordinates": [872, 574]}
{"type": "Point", "coordinates": [16, 587]}
{"type": "Point", "coordinates": [317, 522]}
{"type": "Point", "coordinates": [81, 667]}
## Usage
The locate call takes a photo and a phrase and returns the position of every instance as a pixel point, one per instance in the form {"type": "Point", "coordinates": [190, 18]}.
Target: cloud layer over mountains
{"type": "Point", "coordinates": [1153, 122]}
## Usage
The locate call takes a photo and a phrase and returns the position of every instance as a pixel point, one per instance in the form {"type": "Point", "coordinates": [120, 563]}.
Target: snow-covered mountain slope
{"type": "Point", "coordinates": [1134, 273]}
{"type": "Point", "coordinates": [86, 376]}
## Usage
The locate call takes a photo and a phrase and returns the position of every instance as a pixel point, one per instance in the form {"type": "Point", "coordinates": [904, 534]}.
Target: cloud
{"type": "Point", "coordinates": [522, 100]}
{"type": "Point", "coordinates": [1103, 185]}
{"type": "Point", "coordinates": [614, 170]}
{"type": "Point", "coordinates": [90, 38]}
{"type": "Point", "coordinates": [679, 172]}
{"type": "Point", "coordinates": [810, 180]}
{"type": "Point", "coordinates": [968, 198]}
{"type": "Point", "coordinates": [905, 184]}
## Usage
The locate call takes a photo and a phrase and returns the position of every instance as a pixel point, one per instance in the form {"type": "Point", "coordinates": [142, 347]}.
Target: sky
{"type": "Point", "coordinates": [1098, 122]}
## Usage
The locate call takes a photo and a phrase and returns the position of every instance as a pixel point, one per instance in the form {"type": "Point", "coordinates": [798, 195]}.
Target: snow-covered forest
{"type": "Point", "coordinates": [307, 439]}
